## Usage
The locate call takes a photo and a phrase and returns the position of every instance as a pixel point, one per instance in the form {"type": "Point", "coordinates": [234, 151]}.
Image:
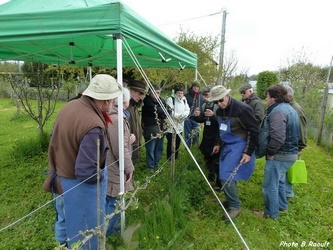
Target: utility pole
{"type": "Point", "coordinates": [220, 71]}
{"type": "Point", "coordinates": [323, 106]}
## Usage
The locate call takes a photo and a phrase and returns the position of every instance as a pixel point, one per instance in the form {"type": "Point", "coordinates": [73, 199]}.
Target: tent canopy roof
{"type": "Point", "coordinates": [83, 32]}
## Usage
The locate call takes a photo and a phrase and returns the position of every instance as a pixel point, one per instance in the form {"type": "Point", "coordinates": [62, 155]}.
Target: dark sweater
{"type": "Point", "coordinates": [153, 116]}
{"type": "Point", "coordinates": [242, 123]}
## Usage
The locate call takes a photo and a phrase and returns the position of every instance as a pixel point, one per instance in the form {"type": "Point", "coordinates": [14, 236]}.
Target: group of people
{"type": "Point", "coordinates": [84, 151]}
{"type": "Point", "coordinates": [84, 158]}
{"type": "Point", "coordinates": [84, 148]}
{"type": "Point", "coordinates": [246, 130]}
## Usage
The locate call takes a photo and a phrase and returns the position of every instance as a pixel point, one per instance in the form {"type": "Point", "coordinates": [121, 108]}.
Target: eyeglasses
{"type": "Point", "coordinates": [243, 92]}
{"type": "Point", "coordinates": [221, 100]}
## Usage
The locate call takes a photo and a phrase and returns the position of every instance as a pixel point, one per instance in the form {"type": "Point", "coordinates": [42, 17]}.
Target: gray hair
{"type": "Point", "coordinates": [126, 95]}
{"type": "Point", "coordinates": [290, 90]}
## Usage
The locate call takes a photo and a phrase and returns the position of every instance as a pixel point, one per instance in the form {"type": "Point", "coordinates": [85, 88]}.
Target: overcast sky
{"type": "Point", "coordinates": [263, 34]}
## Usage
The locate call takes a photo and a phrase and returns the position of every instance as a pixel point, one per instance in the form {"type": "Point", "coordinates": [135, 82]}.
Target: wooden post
{"type": "Point", "coordinates": [18, 106]}
{"type": "Point", "coordinates": [173, 154]}
{"type": "Point", "coordinates": [323, 106]}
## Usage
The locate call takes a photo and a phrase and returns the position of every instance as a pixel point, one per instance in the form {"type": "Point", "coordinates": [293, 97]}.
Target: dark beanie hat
{"type": "Point", "coordinates": [245, 87]}
{"type": "Point", "coordinates": [138, 86]}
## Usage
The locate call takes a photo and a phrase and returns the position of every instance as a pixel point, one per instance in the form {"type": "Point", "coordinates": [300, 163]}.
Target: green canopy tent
{"type": "Point", "coordinates": [87, 33]}
{"type": "Point", "coordinates": [84, 32]}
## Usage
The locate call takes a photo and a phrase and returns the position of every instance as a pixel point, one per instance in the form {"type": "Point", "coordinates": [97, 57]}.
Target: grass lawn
{"type": "Point", "coordinates": [182, 214]}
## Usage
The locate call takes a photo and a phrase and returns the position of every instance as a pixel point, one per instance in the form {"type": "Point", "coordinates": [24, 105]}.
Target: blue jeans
{"type": "Point", "coordinates": [110, 206]}
{"type": "Point", "coordinates": [154, 151]}
{"type": "Point", "coordinates": [274, 187]}
{"type": "Point", "coordinates": [231, 195]}
{"type": "Point", "coordinates": [81, 208]}
{"type": "Point", "coordinates": [60, 226]}
{"type": "Point", "coordinates": [289, 189]}
{"type": "Point", "coordinates": [190, 138]}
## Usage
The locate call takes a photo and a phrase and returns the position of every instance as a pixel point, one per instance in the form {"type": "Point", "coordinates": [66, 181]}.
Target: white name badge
{"type": "Point", "coordinates": [208, 123]}
{"type": "Point", "coordinates": [223, 126]}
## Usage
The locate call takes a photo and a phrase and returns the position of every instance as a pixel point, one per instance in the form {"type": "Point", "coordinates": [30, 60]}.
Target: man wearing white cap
{"type": "Point", "coordinates": [239, 135]}
{"type": "Point", "coordinates": [73, 147]}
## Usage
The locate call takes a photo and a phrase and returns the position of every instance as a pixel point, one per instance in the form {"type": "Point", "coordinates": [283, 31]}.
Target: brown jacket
{"type": "Point", "coordinates": [113, 188]}
{"type": "Point", "coordinates": [136, 128]}
{"type": "Point", "coordinates": [74, 120]}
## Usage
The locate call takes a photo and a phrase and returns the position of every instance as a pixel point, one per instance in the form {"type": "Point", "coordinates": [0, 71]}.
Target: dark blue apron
{"type": "Point", "coordinates": [231, 154]}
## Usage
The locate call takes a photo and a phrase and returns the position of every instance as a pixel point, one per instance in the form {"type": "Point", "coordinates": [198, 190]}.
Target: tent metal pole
{"type": "Point", "coordinates": [121, 131]}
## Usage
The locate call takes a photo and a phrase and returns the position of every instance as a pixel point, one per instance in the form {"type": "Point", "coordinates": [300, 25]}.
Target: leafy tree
{"type": "Point", "coordinates": [71, 75]}
{"type": "Point", "coordinates": [264, 80]}
{"type": "Point", "coordinates": [237, 80]}
{"type": "Point", "coordinates": [206, 48]}
{"type": "Point", "coordinates": [8, 67]}
{"type": "Point", "coordinates": [69, 87]}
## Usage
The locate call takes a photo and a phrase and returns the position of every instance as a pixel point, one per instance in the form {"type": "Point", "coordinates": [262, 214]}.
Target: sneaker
{"type": "Point", "coordinates": [233, 213]}
{"type": "Point", "coordinates": [261, 214]}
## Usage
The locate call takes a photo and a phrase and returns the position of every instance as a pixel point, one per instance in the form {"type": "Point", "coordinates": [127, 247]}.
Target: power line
{"type": "Point", "coordinates": [190, 19]}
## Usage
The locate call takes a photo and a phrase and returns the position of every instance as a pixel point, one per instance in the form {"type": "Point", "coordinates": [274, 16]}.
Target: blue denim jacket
{"type": "Point", "coordinates": [280, 131]}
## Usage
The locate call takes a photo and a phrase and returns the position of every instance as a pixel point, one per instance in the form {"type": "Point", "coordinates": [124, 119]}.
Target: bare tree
{"type": "Point", "coordinates": [229, 68]}
{"type": "Point", "coordinates": [39, 101]}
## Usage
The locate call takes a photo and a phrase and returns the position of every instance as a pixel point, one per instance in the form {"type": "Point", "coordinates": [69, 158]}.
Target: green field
{"type": "Point", "coordinates": [174, 213]}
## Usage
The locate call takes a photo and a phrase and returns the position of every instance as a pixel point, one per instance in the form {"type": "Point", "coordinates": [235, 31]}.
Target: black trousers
{"type": "Point", "coordinates": [169, 145]}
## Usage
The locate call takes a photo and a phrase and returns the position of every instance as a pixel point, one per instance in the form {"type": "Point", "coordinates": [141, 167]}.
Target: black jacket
{"type": "Point", "coordinates": [153, 116]}
{"type": "Point", "coordinates": [194, 100]}
{"type": "Point", "coordinates": [210, 134]}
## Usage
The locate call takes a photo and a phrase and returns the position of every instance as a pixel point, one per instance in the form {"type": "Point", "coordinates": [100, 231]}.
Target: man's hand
{"type": "Point", "coordinates": [269, 157]}
{"type": "Point", "coordinates": [132, 138]}
{"type": "Point", "coordinates": [245, 158]}
{"type": "Point", "coordinates": [208, 112]}
{"type": "Point", "coordinates": [216, 149]}
{"type": "Point", "coordinates": [128, 177]}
